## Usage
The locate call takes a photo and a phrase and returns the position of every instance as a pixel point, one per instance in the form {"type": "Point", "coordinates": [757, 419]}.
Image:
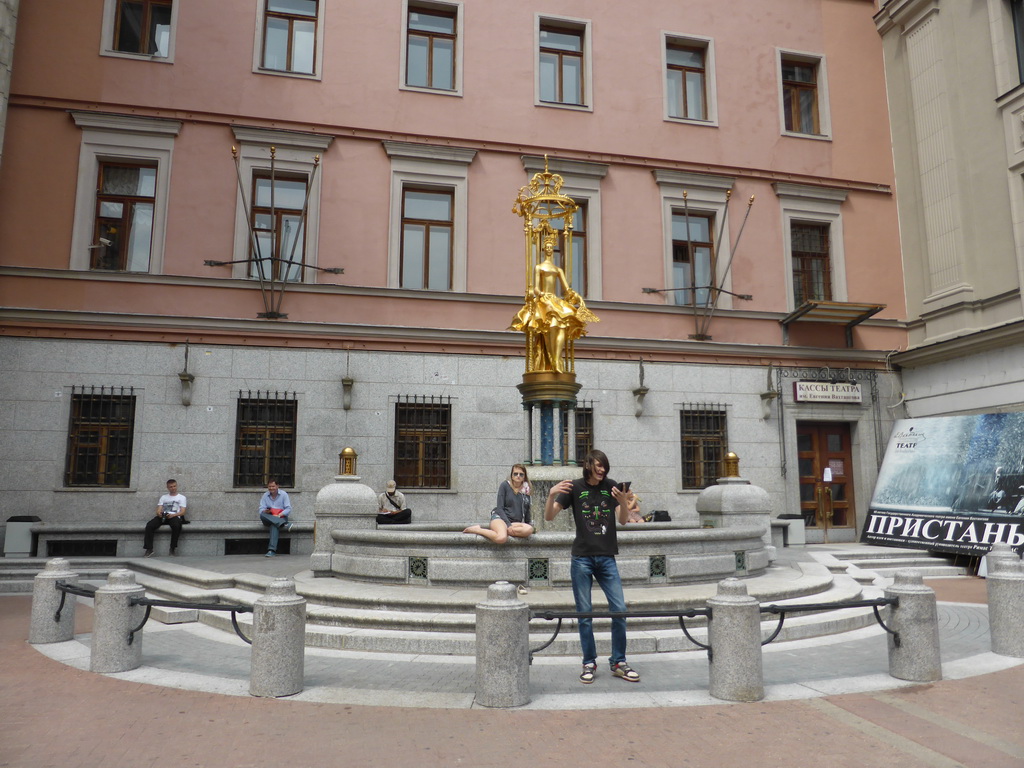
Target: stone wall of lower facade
{"type": "Point", "coordinates": [195, 444]}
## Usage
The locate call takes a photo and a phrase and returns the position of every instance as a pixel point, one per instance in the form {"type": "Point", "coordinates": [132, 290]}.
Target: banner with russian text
{"type": "Point", "coordinates": [951, 484]}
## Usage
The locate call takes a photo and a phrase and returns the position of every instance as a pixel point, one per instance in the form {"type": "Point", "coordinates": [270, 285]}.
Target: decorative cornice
{"type": "Point", "coordinates": [314, 142]}
{"type": "Point", "coordinates": [693, 180]}
{"type": "Point", "coordinates": [110, 121]}
{"type": "Point", "coordinates": [430, 152]}
{"type": "Point", "coordinates": [109, 326]}
{"type": "Point", "coordinates": [535, 164]}
{"type": "Point", "coordinates": [1010, 334]}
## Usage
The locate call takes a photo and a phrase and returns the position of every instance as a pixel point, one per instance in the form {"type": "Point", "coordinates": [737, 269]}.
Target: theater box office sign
{"type": "Point", "coordinates": [826, 392]}
{"type": "Point", "coordinates": [951, 484]}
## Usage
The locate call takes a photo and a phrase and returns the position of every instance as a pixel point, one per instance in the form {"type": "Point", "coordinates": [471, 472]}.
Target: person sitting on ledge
{"type": "Point", "coordinates": [170, 510]}
{"type": "Point", "coordinates": [391, 509]}
{"type": "Point", "coordinates": [633, 506]}
{"type": "Point", "coordinates": [275, 507]}
{"type": "Point", "coordinates": [511, 517]}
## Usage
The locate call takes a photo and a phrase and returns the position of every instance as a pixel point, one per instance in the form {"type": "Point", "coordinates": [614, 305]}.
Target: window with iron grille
{"type": "Point", "coordinates": [812, 269]}
{"type": "Point", "coordinates": [704, 440]}
{"type": "Point", "coordinates": [100, 433]}
{"type": "Point", "coordinates": [423, 442]}
{"type": "Point", "coordinates": [584, 429]}
{"type": "Point", "coordinates": [265, 439]}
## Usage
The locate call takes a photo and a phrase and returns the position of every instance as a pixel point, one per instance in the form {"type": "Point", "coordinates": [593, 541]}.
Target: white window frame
{"type": "Point", "coordinates": [257, 48]}
{"type": "Point", "coordinates": [120, 138]}
{"type": "Point", "coordinates": [582, 184]}
{"type": "Point", "coordinates": [425, 166]}
{"type": "Point", "coordinates": [813, 205]}
{"type": "Point", "coordinates": [294, 153]}
{"type": "Point", "coordinates": [107, 35]}
{"type": "Point", "coordinates": [582, 25]}
{"type": "Point", "coordinates": [821, 88]}
{"type": "Point", "coordinates": [448, 8]}
{"type": "Point", "coordinates": [705, 194]}
{"type": "Point", "coordinates": [710, 82]}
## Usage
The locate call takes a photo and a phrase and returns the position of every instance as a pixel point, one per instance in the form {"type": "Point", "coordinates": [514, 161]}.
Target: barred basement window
{"type": "Point", "coordinates": [704, 439]}
{"type": "Point", "coordinates": [265, 439]}
{"type": "Point", "coordinates": [584, 429]}
{"type": "Point", "coordinates": [100, 431]}
{"type": "Point", "coordinates": [423, 442]}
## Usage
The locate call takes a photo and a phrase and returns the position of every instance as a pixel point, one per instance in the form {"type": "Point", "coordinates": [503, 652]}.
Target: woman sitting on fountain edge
{"type": "Point", "coordinates": [511, 517]}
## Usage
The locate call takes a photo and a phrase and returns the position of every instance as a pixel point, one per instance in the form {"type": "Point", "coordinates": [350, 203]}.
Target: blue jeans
{"type": "Point", "coordinates": [275, 524]}
{"type": "Point", "coordinates": [584, 571]}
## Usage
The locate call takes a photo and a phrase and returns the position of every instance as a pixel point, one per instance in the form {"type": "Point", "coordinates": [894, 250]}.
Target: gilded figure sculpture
{"type": "Point", "coordinates": [553, 314]}
{"type": "Point", "coordinates": [551, 320]}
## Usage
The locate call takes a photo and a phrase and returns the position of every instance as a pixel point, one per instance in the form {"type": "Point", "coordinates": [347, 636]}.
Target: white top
{"type": "Point", "coordinates": [172, 505]}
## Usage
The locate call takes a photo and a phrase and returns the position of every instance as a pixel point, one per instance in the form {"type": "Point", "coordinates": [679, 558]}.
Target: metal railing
{"type": "Point", "coordinates": [780, 610]}
{"type": "Point", "coordinates": [67, 588]}
{"type": "Point", "coordinates": [560, 615]}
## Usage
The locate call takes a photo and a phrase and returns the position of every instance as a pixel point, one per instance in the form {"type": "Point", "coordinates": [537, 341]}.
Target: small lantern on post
{"type": "Point", "coordinates": [347, 461]}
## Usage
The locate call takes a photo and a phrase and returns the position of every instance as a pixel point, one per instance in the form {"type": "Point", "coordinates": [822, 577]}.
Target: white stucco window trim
{"type": "Point", "coordinates": [120, 138]}
{"type": "Point", "coordinates": [569, 22]}
{"type": "Point", "coordinates": [582, 184]}
{"type": "Point", "coordinates": [821, 88]}
{"type": "Point", "coordinates": [710, 81]}
{"type": "Point", "coordinates": [425, 165]}
{"type": "Point", "coordinates": [813, 205]}
{"type": "Point", "coordinates": [457, 7]}
{"type": "Point", "coordinates": [107, 35]}
{"type": "Point", "coordinates": [294, 153]}
{"type": "Point", "coordinates": [318, 55]}
{"type": "Point", "coordinates": [705, 193]}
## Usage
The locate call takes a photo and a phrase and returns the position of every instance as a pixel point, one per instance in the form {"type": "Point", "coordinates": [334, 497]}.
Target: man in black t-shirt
{"type": "Point", "coordinates": [596, 504]}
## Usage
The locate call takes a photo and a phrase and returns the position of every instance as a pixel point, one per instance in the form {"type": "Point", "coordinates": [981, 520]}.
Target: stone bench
{"type": "Point", "coordinates": [788, 533]}
{"type": "Point", "coordinates": [200, 538]}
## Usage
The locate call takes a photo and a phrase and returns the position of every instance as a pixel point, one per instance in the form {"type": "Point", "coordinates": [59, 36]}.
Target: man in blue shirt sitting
{"type": "Point", "coordinates": [274, 510]}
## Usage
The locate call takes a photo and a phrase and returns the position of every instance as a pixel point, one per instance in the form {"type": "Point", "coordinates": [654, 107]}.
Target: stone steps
{"type": "Point", "coordinates": [415, 620]}
{"type": "Point", "coordinates": [18, 574]}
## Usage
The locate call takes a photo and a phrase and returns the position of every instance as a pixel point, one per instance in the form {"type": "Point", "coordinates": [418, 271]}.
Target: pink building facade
{"type": "Point", "coordinates": [172, 309]}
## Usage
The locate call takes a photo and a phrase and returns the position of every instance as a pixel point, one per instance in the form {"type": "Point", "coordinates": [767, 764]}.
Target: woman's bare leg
{"type": "Point", "coordinates": [520, 530]}
{"type": "Point", "coordinates": [498, 532]}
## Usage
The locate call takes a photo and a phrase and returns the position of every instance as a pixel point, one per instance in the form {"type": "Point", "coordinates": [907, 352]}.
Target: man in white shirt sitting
{"type": "Point", "coordinates": [170, 510]}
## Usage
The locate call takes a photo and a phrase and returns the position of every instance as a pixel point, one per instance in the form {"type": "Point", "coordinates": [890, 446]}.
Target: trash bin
{"type": "Point", "coordinates": [18, 539]}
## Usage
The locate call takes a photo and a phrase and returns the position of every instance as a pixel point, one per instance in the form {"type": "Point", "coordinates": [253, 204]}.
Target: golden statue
{"type": "Point", "coordinates": [548, 318]}
{"type": "Point", "coordinates": [553, 314]}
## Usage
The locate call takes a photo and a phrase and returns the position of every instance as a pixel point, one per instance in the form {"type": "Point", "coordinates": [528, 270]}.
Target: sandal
{"type": "Point", "coordinates": [623, 670]}
{"type": "Point", "coordinates": [587, 675]}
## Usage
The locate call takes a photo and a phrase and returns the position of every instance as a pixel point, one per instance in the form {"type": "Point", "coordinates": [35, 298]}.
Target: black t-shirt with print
{"type": "Point", "coordinates": [593, 510]}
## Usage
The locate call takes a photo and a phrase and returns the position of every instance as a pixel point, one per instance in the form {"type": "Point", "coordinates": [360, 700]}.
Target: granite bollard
{"type": "Point", "coordinates": [278, 642]}
{"type": "Point", "coordinates": [502, 648]}
{"type": "Point", "coordinates": [114, 618]}
{"type": "Point", "coordinates": [45, 599]}
{"type": "Point", "coordinates": [1005, 585]}
{"type": "Point", "coordinates": [916, 619]}
{"type": "Point", "coordinates": [734, 634]}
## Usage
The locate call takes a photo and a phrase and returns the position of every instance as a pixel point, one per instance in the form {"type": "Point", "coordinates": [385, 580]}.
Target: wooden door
{"type": "Point", "coordinates": [826, 498]}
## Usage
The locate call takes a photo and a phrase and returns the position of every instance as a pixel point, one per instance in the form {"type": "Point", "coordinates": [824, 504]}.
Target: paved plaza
{"type": "Point", "coordinates": [829, 702]}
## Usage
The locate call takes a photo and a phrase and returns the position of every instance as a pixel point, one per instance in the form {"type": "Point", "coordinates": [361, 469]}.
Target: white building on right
{"type": "Point", "coordinates": [955, 76]}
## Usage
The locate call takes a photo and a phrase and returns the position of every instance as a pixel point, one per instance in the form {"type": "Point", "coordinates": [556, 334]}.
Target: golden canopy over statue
{"type": "Point", "coordinates": [553, 314]}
